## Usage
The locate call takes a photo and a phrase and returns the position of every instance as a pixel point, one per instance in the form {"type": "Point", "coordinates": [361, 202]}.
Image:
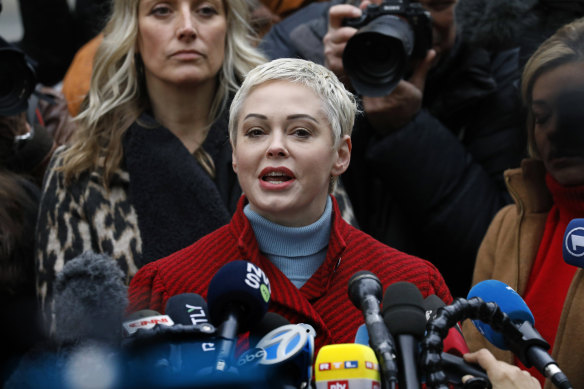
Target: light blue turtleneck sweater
{"type": "Point", "coordinates": [297, 251]}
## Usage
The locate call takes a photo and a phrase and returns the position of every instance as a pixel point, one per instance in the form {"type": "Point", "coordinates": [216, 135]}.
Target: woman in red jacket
{"type": "Point", "coordinates": [290, 126]}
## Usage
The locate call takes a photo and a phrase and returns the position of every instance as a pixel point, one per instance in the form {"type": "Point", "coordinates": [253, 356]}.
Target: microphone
{"type": "Point", "coordinates": [346, 366]}
{"type": "Point", "coordinates": [238, 296]}
{"type": "Point", "coordinates": [454, 342]}
{"type": "Point", "coordinates": [144, 319]}
{"type": "Point", "coordinates": [361, 336]}
{"type": "Point", "coordinates": [289, 354]}
{"type": "Point", "coordinates": [187, 309]}
{"type": "Point", "coordinates": [90, 298]}
{"type": "Point", "coordinates": [508, 300]}
{"type": "Point", "coordinates": [573, 247]}
{"type": "Point", "coordinates": [161, 353]}
{"type": "Point", "coordinates": [405, 317]}
{"type": "Point", "coordinates": [526, 343]}
{"type": "Point", "coordinates": [269, 322]}
{"type": "Point", "coordinates": [365, 292]}
{"type": "Point", "coordinates": [454, 366]}
{"type": "Point", "coordinates": [454, 347]}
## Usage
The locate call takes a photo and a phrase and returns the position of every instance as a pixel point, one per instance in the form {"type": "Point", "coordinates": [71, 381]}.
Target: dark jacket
{"type": "Point", "coordinates": [432, 187]}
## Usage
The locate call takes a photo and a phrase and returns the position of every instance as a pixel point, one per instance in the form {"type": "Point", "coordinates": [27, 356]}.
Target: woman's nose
{"type": "Point", "coordinates": [277, 147]}
{"type": "Point", "coordinates": [187, 28]}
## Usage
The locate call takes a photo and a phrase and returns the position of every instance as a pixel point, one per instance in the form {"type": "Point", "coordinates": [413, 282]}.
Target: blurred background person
{"type": "Point", "coordinates": [523, 245]}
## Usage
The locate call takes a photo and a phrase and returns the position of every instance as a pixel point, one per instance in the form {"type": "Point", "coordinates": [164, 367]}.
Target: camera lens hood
{"type": "Point", "coordinates": [376, 57]}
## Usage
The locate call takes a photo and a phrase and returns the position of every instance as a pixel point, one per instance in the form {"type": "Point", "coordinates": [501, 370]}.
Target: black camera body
{"type": "Point", "coordinates": [377, 57]}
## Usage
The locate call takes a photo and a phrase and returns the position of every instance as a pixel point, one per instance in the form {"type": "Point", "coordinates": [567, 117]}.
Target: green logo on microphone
{"type": "Point", "coordinates": [265, 291]}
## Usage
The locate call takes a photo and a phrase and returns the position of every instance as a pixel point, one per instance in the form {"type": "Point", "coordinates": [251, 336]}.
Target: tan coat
{"type": "Point", "coordinates": [507, 254]}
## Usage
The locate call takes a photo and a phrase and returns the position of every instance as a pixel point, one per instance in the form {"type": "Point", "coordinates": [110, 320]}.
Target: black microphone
{"type": "Point", "coordinates": [405, 317]}
{"type": "Point", "coordinates": [90, 299]}
{"type": "Point", "coordinates": [365, 292]}
{"type": "Point", "coordinates": [187, 309]}
{"type": "Point", "coordinates": [269, 322]}
{"type": "Point", "coordinates": [238, 296]}
{"type": "Point", "coordinates": [454, 347]}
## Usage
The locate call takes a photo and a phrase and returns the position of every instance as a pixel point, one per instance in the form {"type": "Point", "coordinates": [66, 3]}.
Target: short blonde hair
{"type": "Point", "coordinates": [338, 104]}
{"type": "Point", "coordinates": [565, 46]}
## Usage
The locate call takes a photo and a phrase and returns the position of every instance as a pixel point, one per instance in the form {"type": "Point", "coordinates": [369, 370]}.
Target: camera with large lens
{"type": "Point", "coordinates": [389, 35]}
{"type": "Point", "coordinates": [17, 79]}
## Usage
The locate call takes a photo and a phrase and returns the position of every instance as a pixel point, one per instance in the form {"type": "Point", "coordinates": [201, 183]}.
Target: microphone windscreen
{"type": "Point", "coordinates": [403, 309]}
{"type": "Point", "coordinates": [494, 24]}
{"type": "Point", "coordinates": [239, 283]}
{"type": "Point", "coordinates": [573, 247]}
{"type": "Point", "coordinates": [187, 309]}
{"type": "Point", "coordinates": [346, 365]}
{"type": "Point", "coordinates": [289, 351]}
{"type": "Point", "coordinates": [90, 299]}
{"type": "Point", "coordinates": [269, 322]}
{"type": "Point", "coordinates": [508, 301]}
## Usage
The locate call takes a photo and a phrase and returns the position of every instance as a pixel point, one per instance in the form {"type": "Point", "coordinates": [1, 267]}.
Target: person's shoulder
{"type": "Point", "coordinates": [199, 249]}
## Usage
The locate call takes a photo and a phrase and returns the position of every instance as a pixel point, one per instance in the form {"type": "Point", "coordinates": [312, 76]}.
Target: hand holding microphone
{"type": "Point", "coordinates": [501, 374]}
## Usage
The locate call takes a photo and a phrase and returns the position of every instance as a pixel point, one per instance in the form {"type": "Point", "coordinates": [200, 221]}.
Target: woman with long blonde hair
{"type": "Point", "coordinates": [149, 169]}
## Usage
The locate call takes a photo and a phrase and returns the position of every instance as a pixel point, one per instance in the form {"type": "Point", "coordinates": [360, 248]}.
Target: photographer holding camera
{"type": "Point", "coordinates": [442, 121]}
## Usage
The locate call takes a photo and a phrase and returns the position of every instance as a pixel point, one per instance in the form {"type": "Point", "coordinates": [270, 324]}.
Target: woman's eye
{"type": "Point", "coordinates": [254, 132]}
{"type": "Point", "coordinates": [301, 132]}
{"type": "Point", "coordinates": [207, 10]}
{"type": "Point", "coordinates": [160, 11]}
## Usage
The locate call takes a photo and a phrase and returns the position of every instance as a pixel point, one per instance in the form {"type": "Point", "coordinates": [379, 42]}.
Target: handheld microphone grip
{"type": "Point", "coordinates": [365, 291]}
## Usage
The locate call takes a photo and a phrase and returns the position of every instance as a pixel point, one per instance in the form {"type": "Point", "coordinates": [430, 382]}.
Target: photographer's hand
{"type": "Point", "coordinates": [337, 36]}
{"type": "Point", "coordinates": [392, 112]}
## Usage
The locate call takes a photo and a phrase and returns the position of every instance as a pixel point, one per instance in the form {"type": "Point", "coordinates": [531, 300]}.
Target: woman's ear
{"type": "Point", "coordinates": [233, 160]}
{"type": "Point", "coordinates": [343, 156]}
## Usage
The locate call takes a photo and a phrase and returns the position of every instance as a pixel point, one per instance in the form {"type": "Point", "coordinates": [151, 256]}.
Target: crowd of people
{"type": "Point", "coordinates": [176, 137]}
